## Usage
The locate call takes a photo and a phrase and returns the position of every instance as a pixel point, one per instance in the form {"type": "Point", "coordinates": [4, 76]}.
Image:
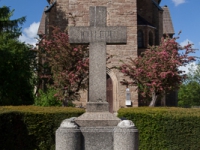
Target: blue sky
{"type": "Point", "coordinates": [185, 17]}
{"type": "Point", "coordinates": [32, 10]}
{"type": "Point", "coordinates": [184, 14]}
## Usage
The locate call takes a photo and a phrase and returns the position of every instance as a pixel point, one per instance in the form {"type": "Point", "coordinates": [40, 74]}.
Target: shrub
{"type": "Point", "coordinates": [32, 127]}
{"type": "Point", "coordinates": [165, 128]}
{"type": "Point", "coordinates": [47, 98]}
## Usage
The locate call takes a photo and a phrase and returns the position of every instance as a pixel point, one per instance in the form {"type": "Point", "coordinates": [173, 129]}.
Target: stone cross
{"type": "Point", "coordinates": [97, 35]}
{"type": "Point", "coordinates": [97, 128]}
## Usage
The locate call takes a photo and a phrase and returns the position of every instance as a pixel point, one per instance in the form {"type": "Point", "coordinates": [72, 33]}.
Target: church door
{"type": "Point", "coordinates": [109, 93]}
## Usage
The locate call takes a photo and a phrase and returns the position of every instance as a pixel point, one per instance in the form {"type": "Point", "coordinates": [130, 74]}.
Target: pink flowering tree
{"type": "Point", "coordinates": [156, 71]}
{"type": "Point", "coordinates": [68, 65]}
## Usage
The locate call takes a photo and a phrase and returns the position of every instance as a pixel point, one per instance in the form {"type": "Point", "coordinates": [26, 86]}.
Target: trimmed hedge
{"type": "Point", "coordinates": [32, 127]}
{"type": "Point", "coordinates": [165, 128]}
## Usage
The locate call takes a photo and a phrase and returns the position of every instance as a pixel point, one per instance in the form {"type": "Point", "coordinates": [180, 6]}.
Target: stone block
{"type": "Point", "coordinates": [97, 138]}
{"type": "Point", "coordinates": [97, 107]}
{"type": "Point", "coordinates": [69, 136]}
{"type": "Point", "coordinates": [126, 139]}
{"type": "Point", "coordinates": [68, 139]}
{"type": "Point", "coordinates": [97, 119]}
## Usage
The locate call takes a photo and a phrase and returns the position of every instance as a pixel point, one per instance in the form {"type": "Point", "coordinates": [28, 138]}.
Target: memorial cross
{"type": "Point", "coordinates": [97, 35]}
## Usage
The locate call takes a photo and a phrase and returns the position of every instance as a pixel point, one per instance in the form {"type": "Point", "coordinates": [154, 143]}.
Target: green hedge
{"type": "Point", "coordinates": [32, 127]}
{"type": "Point", "coordinates": [165, 128]}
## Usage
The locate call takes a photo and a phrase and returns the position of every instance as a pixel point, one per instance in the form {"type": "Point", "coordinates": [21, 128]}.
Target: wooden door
{"type": "Point", "coordinates": [109, 93]}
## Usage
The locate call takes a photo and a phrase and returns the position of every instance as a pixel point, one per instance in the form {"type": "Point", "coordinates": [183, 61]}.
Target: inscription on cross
{"type": "Point", "coordinates": [97, 35]}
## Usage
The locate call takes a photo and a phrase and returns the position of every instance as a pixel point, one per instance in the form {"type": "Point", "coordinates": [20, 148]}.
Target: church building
{"type": "Point", "coordinates": [146, 23]}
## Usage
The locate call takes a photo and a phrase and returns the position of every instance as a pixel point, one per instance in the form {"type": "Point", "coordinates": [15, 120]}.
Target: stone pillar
{"type": "Point", "coordinates": [126, 136]}
{"type": "Point", "coordinates": [68, 136]}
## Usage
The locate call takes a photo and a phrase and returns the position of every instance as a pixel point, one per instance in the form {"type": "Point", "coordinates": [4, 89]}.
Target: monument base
{"type": "Point", "coordinates": [97, 115]}
{"type": "Point", "coordinates": [110, 138]}
{"type": "Point", "coordinates": [124, 136]}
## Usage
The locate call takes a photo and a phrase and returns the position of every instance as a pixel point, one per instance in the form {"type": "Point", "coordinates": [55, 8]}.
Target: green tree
{"type": "Point", "coordinates": [10, 28]}
{"type": "Point", "coordinates": [16, 75]}
{"type": "Point", "coordinates": [194, 73]}
{"type": "Point", "coordinates": [189, 92]}
{"type": "Point", "coordinates": [47, 98]}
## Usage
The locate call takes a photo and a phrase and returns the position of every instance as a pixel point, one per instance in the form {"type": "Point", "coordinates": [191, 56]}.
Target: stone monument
{"type": "Point", "coordinates": [97, 129]}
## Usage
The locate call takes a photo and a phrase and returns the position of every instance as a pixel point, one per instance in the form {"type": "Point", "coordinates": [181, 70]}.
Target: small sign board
{"type": "Point", "coordinates": [128, 102]}
{"type": "Point", "coordinates": [128, 97]}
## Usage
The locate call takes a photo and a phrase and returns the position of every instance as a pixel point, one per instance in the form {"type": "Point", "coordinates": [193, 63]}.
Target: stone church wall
{"type": "Point", "coordinates": [145, 9]}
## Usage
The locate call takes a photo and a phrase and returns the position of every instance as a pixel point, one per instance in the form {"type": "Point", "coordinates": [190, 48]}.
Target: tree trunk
{"type": "Point", "coordinates": [65, 103]}
{"type": "Point", "coordinates": [163, 100]}
{"type": "Point", "coordinates": [153, 101]}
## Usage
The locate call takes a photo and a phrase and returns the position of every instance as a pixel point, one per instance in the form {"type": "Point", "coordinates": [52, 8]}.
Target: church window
{"type": "Point", "coordinates": [150, 38]}
{"type": "Point", "coordinates": [140, 39]}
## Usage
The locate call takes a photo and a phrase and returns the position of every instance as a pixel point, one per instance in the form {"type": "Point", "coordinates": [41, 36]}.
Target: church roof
{"type": "Point", "coordinates": [167, 22]}
{"type": "Point", "coordinates": [157, 5]}
{"type": "Point", "coordinates": [50, 6]}
{"type": "Point", "coordinates": [142, 21]}
{"type": "Point", "coordinates": [41, 29]}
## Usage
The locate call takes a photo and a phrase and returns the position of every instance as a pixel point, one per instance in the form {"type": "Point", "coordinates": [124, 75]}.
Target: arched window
{"type": "Point", "coordinates": [150, 38]}
{"type": "Point", "coordinates": [140, 39]}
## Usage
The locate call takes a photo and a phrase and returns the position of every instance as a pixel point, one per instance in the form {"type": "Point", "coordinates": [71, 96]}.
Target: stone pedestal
{"type": "Point", "coordinates": [126, 139]}
{"type": "Point", "coordinates": [69, 136]}
{"type": "Point", "coordinates": [68, 139]}
{"type": "Point", "coordinates": [124, 136]}
{"type": "Point", "coordinates": [97, 119]}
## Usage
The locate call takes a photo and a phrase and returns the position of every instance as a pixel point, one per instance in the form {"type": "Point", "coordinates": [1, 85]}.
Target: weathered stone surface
{"type": "Point", "coordinates": [97, 119]}
{"type": "Point", "coordinates": [69, 123]}
{"type": "Point", "coordinates": [109, 35]}
{"type": "Point", "coordinates": [126, 124]}
{"type": "Point", "coordinates": [68, 139]}
{"type": "Point", "coordinates": [126, 139]}
{"type": "Point", "coordinates": [97, 75]}
{"type": "Point", "coordinates": [98, 16]}
{"type": "Point", "coordinates": [97, 107]}
{"type": "Point", "coordinates": [98, 138]}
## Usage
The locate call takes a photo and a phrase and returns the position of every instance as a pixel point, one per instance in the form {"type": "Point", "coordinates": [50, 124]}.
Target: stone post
{"type": "Point", "coordinates": [126, 136]}
{"type": "Point", "coordinates": [69, 136]}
